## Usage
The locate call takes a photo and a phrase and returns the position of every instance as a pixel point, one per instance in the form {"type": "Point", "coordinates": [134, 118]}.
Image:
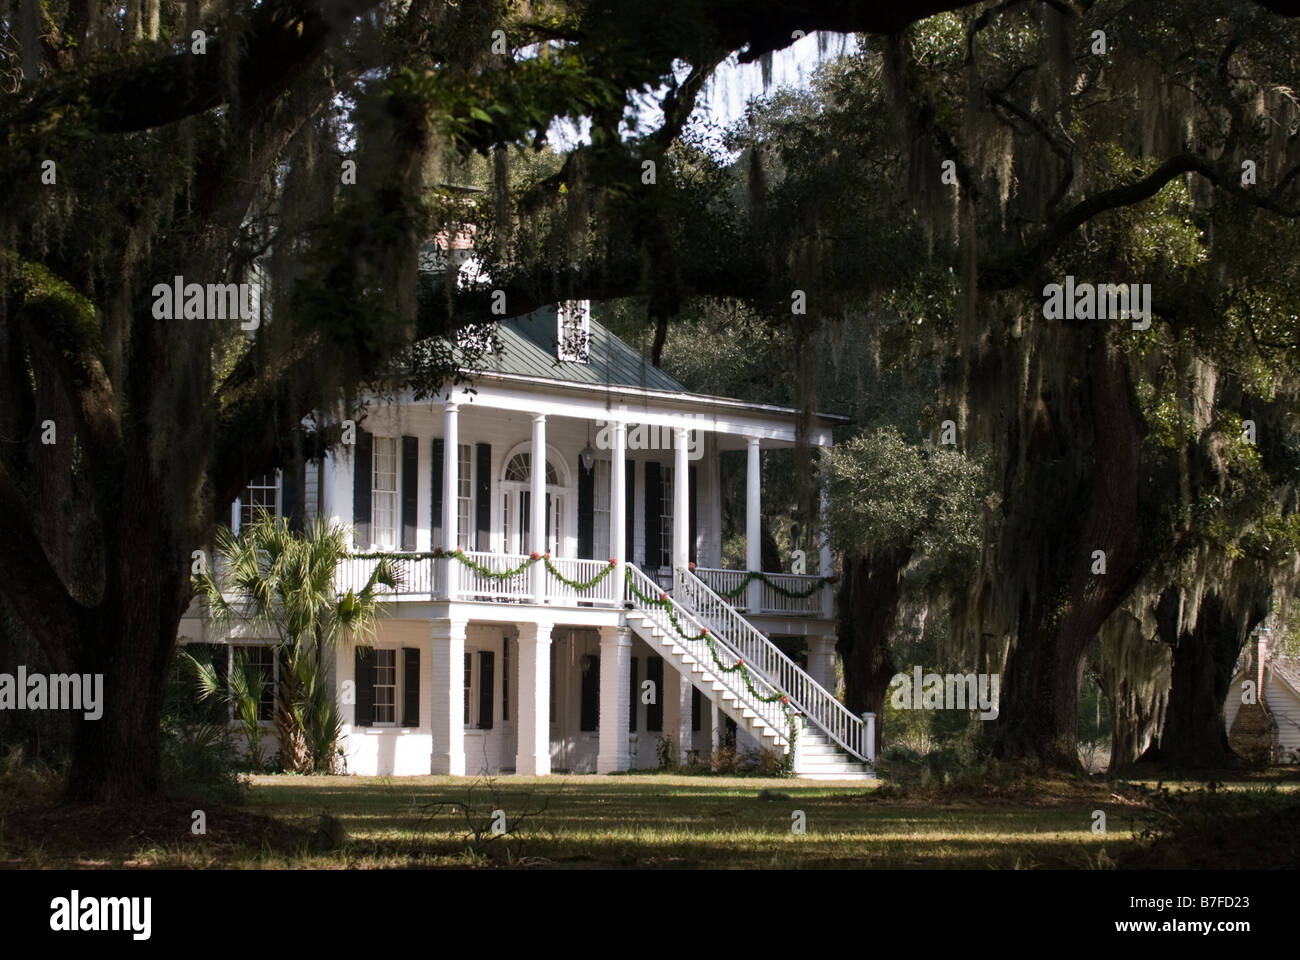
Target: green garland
{"type": "Point", "coordinates": [489, 573]}
{"type": "Point", "coordinates": [662, 602]}
{"type": "Point", "coordinates": [753, 575]}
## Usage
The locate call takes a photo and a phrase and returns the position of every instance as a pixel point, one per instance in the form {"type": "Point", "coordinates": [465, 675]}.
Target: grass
{"type": "Point", "coordinates": [649, 821]}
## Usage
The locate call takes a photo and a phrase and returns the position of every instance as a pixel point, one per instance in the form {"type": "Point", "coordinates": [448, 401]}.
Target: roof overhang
{"type": "Point", "coordinates": [721, 415]}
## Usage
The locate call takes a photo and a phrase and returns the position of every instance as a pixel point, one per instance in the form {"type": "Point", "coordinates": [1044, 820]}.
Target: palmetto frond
{"type": "Point", "coordinates": [282, 583]}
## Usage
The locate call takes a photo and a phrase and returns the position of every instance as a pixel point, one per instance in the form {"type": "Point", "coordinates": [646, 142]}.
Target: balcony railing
{"type": "Point", "coordinates": [780, 594]}
{"type": "Point", "coordinates": [424, 577]}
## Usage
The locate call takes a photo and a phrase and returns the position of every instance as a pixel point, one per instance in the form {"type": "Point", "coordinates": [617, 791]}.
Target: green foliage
{"type": "Point", "coordinates": [889, 495]}
{"type": "Point", "coordinates": [282, 584]}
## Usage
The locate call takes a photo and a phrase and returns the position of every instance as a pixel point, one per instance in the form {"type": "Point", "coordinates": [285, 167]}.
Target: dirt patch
{"type": "Point", "coordinates": [119, 830]}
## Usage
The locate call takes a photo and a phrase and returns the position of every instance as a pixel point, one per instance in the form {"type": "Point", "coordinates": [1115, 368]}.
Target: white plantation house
{"type": "Point", "coordinates": [572, 617]}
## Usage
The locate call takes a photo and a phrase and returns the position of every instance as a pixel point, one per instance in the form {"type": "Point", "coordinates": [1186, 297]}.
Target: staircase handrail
{"type": "Point", "coordinates": [772, 713]}
{"type": "Point", "coordinates": [818, 705]}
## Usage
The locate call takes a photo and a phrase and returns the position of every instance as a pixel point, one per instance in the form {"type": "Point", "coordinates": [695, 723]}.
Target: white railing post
{"type": "Point", "coordinates": [869, 734]}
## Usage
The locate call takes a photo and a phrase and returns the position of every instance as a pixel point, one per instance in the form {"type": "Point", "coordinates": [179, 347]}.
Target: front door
{"type": "Point", "coordinates": [516, 514]}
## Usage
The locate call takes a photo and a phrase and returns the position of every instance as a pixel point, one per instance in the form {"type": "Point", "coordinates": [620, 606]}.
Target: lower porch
{"type": "Point", "coordinates": [486, 696]}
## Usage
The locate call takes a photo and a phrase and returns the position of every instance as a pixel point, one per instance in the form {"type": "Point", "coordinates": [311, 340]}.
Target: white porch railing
{"type": "Point", "coordinates": [808, 696]}
{"type": "Point", "coordinates": [771, 601]}
{"type": "Point", "coordinates": [608, 592]}
{"type": "Point", "coordinates": [470, 584]}
{"type": "Point", "coordinates": [422, 575]}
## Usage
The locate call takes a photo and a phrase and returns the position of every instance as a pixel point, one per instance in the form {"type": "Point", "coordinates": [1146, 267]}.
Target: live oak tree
{"type": "Point", "coordinates": [150, 140]}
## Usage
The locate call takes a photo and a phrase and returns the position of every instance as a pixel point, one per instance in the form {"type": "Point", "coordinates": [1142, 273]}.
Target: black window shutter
{"type": "Point", "coordinates": [291, 486]}
{"type": "Point", "coordinates": [586, 512]}
{"type": "Point", "coordinates": [590, 692]}
{"type": "Point", "coordinates": [483, 495]}
{"type": "Point", "coordinates": [629, 509]}
{"type": "Point", "coordinates": [362, 467]}
{"type": "Point", "coordinates": [410, 495]}
{"type": "Point", "coordinates": [633, 700]}
{"type": "Point", "coordinates": [219, 655]}
{"type": "Point", "coordinates": [486, 662]}
{"type": "Point", "coordinates": [365, 681]}
{"type": "Point", "coordinates": [654, 712]}
{"type": "Point", "coordinates": [690, 474]}
{"type": "Point", "coordinates": [653, 510]}
{"type": "Point", "coordinates": [695, 709]}
{"type": "Point", "coordinates": [435, 502]}
{"type": "Point", "coordinates": [505, 679]}
{"type": "Point", "coordinates": [410, 686]}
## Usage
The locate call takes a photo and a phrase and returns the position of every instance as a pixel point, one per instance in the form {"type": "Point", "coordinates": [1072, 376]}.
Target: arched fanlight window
{"type": "Point", "coordinates": [519, 469]}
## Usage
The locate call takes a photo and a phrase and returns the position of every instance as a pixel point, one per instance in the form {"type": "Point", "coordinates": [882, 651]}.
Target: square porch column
{"type": "Point", "coordinates": [754, 523]}
{"type": "Point", "coordinates": [677, 710]}
{"type": "Point", "coordinates": [534, 725]}
{"type": "Point", "coordinates": [821, 661]}
{"type": "Point", "coordinates": [615, 698]}
{"type": "Point", "coordinates": [448, 715]}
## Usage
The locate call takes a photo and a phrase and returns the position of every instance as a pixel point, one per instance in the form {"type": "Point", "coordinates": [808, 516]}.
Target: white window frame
{"type": "Point", "coordinates": [665, 516]}
{"type": "Point", "coordinates": [465, 494]}
{"type": "Point", "coordinates": [275, 678]}
{"type": "Point", "coordinates": [237, 508]}
{"type": "Point", "coordinates": [471, 689]}
{"type": "Point", "coordinates": [385, 536]}
{"type": "Point", "coordinates": [601, 487]}
{"type": "Point", "coordinates": [396, 685]}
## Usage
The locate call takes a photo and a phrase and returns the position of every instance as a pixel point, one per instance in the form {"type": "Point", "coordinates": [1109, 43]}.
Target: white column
{"type": "Point", "coordinates": [534, 725]}
{"type": "Point", "coordinates": [450, 491]}
{"type": "Point", "coordinates": [618, 502]}
{"type": "Point", "coordinates": [715, 726]}
{"type": "Point", "coordinates": [448, 713]}
{"type": "Point", "coordinates": [615, 699]}
{"type": "Point", "coordinates": [681, 500]}
{"type": "Point", "coordinates": [677, 710]}
{"type": "Point", "coordinates": [537, 510]}
{"type": "Point", "coordinates": [824, 556]}
{"type": "Point", "coordinates": [821, 661]}
{"type": "Point", "coordinates": [753, 523]}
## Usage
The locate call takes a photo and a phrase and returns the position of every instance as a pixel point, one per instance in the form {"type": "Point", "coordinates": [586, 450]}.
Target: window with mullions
{"type": "Point", "coordinates": [259, 660]}
{"type": "Point", "coordinates": [600, 509]}
{"type": "Point", "coordinates": [260, 498]}
{"type": "Point", "coordinates": [464, 492]}
{"type": "Point", "coordinates": [385, 686]}
{"type": "Point", "coordinates": [519, 470]}
{"type": "Point", "coordinates": [383, 493]}
{"type": "Point", "coordinates": [666, 517]}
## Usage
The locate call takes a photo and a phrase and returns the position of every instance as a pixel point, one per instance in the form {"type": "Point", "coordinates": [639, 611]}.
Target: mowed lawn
{"type": "Point", "coordinates": [663, 821]}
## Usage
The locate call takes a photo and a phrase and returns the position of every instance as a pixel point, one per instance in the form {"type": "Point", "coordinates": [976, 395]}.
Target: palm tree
{"type": "Point", "coordinates": [276, 580]}
{"type": "Point", "coordinates": [248, 683]}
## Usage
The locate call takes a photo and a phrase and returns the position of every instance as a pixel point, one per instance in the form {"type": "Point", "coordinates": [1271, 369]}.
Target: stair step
{"type": "Point", "coordinates": [836, 776]}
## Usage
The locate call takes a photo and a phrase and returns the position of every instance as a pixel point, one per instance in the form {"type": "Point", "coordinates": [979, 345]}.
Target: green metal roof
{"type": "Point", "coordinates": [528, 348]}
